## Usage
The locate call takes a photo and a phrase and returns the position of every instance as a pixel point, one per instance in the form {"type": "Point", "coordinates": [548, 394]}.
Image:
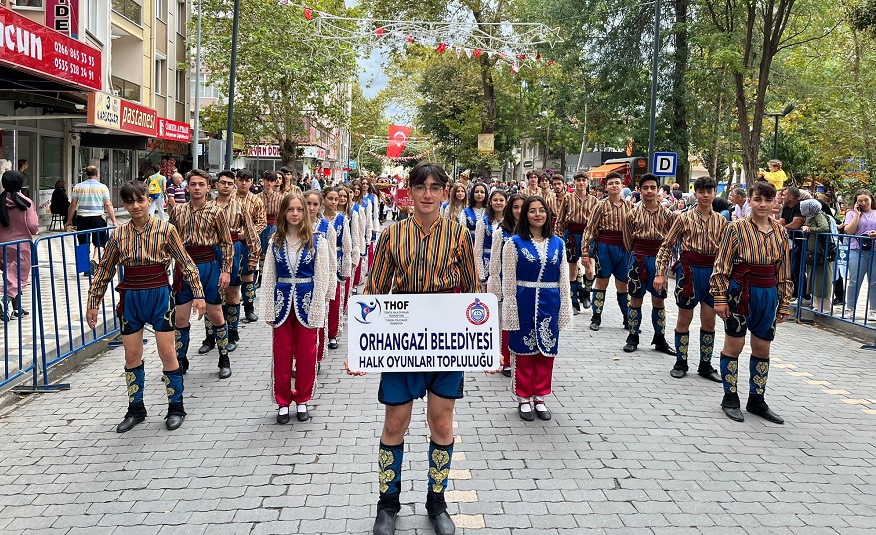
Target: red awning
{"type": "Point", "coordinates": [603, 170]}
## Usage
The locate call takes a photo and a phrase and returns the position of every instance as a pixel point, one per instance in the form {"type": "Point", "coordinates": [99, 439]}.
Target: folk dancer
{"type": "Point", "coordinates": [506, 229]}
{"type": "Point", "coordinates": [477, 207]}
{"type": "Point", "coordinates": [360, 208]}
{"type": "Point", "coordinates": [356, 236]}
{"type": "Point", "coordinates": [344, 252]}
{"type": "Point", "coordinates": [323, 227]}
{"type": "Point", "coordinates": [605, 226]}
{"type": "Point", "coordinates": [752, 286]}
{"type": "Point", "coordinates": [456, 206]}
{"type": "Point", "coordinates": [532, 188]}
{"type": "Point", "coordinates": [697, 232]}
{"type": "Point", "coordinates": [422, 254]}
{"type": "Point", "coordinates": [573, 214]}
{"type": "Point", "coordinates": [298, 264]}
{"type": "Point", "coordinates": [371, 196]}
{"type": "Point", "coordinates": [535, 305]}
{"type": "Point", "coordinates": [253, 205]}
{"type": "Point", "coordinates": [647, 225]}
{"type": "Point", "coordinates": [270, 197]}
{"type": "Point", "coordinates": [144, 247]}
{"type": "Point", "coordinates": [486, 227]}
{"type": "Point", "coordinates": [203, 227]}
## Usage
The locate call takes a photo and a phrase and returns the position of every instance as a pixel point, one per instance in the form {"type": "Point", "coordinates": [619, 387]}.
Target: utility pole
{"type": "Point", "coordinates": [655, 61]}
{"type": "Point", "coordinates": [229, 141]}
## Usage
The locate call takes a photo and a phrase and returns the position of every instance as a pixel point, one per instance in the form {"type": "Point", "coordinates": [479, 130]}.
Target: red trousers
{"type": "Point", "coordinates": [357, 279]}
{"type": "Point", "coordinates": [335, 312]}
{"type": "Point", "coordinates": [294, 343]}
{"type": "Point", "coordinates": [370, 255]}
{"type": "Point", "coordinates": [506, 352]}
{"type": "Point", "coordinates": [532, 375]}
{"type": "Point", "coordinates": [347, 294]}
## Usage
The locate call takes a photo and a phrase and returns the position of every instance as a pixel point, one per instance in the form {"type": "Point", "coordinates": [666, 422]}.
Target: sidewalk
{"type": "Point", "coordinates": [629, 449]}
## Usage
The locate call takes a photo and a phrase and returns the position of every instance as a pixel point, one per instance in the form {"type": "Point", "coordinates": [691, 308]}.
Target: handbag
{"type": "Point", "coordinates": [822, 252]}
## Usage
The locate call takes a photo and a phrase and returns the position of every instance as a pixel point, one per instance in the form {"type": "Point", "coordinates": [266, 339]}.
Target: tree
{"type": "Point", "coordinates": [284, 72]}
{"type": "Point", "coordinates": [368, 118]}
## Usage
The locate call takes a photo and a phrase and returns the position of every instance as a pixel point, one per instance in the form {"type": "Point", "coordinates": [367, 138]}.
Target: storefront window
{"type": "Point", "coordinates": [27, 3]}
{"type": "Point", "coordinates": [51, 162]}
{"type": "Point", "coordinates": [122, 172]}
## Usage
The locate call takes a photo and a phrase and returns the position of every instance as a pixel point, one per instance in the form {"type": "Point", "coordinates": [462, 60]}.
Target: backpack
{"type": "Point", "coordinates": [155, 184]}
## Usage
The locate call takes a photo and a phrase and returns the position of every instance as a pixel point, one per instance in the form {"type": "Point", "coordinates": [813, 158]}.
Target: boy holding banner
{"type": "Point", "coordinates": [422, 254]}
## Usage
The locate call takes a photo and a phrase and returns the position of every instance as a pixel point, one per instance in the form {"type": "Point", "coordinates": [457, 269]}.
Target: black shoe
{"type": "Point", "coordinates": [233, 338]}
{"type": "Point", "coordinates": [525, 416]}
{"type": "Point", "coordinates": [333, 344]}
{"type": "Point", "coordinates": [757, 406]}
{"type": "Point", "coordinates": [678, 371]}
{"type": "Point", "coordinates": [632, 343]}
{"type": "Point", "coordinates": [594, 325]}
{"type": "Point", "coordinates": [710, 373]}
{"type": "Point", "coordinates": [584, 298]}
{"type": "Point", "coordinates": [224, 368]}
{"type": "Point", "coordinates": [250, 316]}
{"type": "Point", "coordinates": [506, 371]}
{"type": "Point", "coordinates": [283, 418]}
{"type": "Point", "coordinates": [128, 423]}
{"type": "Point", "coordinates": [303, 416]}
{"type": "Point", "coordinates": [209, 344]}
{"type": "Point", "coordinates": [443, 524]}
{"type": "Point", "coordinates": [730, 404]}
{"type": "Point", "coordinates": [183, 364]}
{"type": "Point", "coordinates": [231, 346]}
{"type": "Point", "coordinates": [661, 346]}
{"type": "Point", "coordinates": [384, 524]}
{"type": "Point", "coordinates": [576, 307]}
{"type": "Point", "coordinates": [544, 414]}
{"type": "Point", "coordinates": [173, 421]}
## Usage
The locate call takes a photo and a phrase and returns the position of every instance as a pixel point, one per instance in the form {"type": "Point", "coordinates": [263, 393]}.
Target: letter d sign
{"type": "Point", "coordinates": [665, 163]}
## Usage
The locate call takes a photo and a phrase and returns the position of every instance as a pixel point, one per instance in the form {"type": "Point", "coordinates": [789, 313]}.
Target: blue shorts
{"type": "Point", "coordinates": [244, 261]}
{"type": "Point", "coordinates": [573, 246]}
{"type": "Point", "coordinates": [701, 289]}
{"type": "Point", "coordinates": [154, 306]}
{"type": "Point", "coordinates": [763, 305]}
{"type": "Point", "coordinates": [209, 275]}
{"type": "Point", "coordinates": [235, 262]}
{"type": "Point", "coordinates": [612, 260]}
{"type": "Point", "coordinates": [265, 235]}
{"type": "Point", "coordinates": [637, 286]}
{"type": "Point", "coordinates": [399, 388]}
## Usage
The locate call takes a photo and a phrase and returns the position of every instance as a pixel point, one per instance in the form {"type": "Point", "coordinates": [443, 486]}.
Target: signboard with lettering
{"type": "Point", "coordinates": [174, 130]}
{"type": "Point", "coordinates": [403, 198]}
{"type": "Point", "coordinates": [400, 332]}
{"type": "Point", "coordinates": [26, 45]}
{"type": "Point", "coordinates": [63, 16]}
{"type": "Point", "coordinates": [138, 119]}
{"type": "Point", "coordinates": [264, 151]}
{"type": "Point", "coordinates": [114, 113]}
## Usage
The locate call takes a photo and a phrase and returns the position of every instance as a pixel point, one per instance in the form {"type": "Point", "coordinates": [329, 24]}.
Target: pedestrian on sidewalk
{"type": "Point", "coordinates": [421, 254]}
{"type": "Point", "coordinates": [510, 219]}
{"type": "Point", "coordinates": [90, 199]}
{"type": "Point", "coordinates": [752, 286]}
{"type": "Point", "coordinates": [144, 247]}
{"type": "Point", "coordinates": [157, 192]}
{"type": "Point", "coordinates": [298, 267]}
{"type": "Point", "coordinates": [18, 221]}
{"type": "Point", "coordinates": [536, 304]}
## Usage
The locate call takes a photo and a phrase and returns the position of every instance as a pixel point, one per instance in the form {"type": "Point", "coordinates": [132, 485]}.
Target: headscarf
{"type": "Point", "coordinates": [626, 193]}
{"type": "Point", "coordinates": [59, 184]}
{"type": "Point", "coordinates": [12, 181]}
{"type": "Point", "coordinates": [810, 208]}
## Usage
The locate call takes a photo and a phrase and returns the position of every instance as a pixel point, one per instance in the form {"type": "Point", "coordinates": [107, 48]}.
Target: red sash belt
{"type": "Point", "coordinates": [759, 275]}
{"type": "Point", "coordinates": [691, 259]}
{"type": "Point", "coordinates": [611, 237]}
{"type": "Point", "coordinates": [202, 254]}
{"type": "Point", "coordinates": [575, 228]}
{"type": "Point", "coordinates": [641, 249]}
{"type": "Point", "coordinates": [272, 219]}
{"type": "Point", "coordinates": [140, 278]}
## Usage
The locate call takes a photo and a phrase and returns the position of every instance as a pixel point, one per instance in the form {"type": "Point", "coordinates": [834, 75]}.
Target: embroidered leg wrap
{"type": "Point", "coordinates": [658, 321]}
{"type": "Point", "coordinates": [635, 320]}
{"type": "Point", "coordinates": [598, 302]}
{"type": "Point", "coordinates": [221, 334]}
{"type": "Point", "coordinates": [439, 472]}
{"type": "Point", "coordinates": [173, 382]}
{"type": "Point", "coordinates": [182, 346]}
{"type": "Point", "coordinates": [389, 462]}
{"type": "Point", "coordinates": [760, 370]}
{"type": "Point", "coordinates": [135, 379]}
{"type": "Point", "coordinates": [574, 286]}
{"type": "Point", "coordinates": [233, 317]}
{"type": "Point", "coordinates": [707, 347]}
{"type": "Point", "coordinates": [588, 284]}
{"type": "Point", "coordinates": [729, 377]}
{"type": "Point", "coordinates": [248, 291]}
{"type": "Point", "coordinates": [623, 301]}
{"type": "Point", "coordinates": [681, 342]}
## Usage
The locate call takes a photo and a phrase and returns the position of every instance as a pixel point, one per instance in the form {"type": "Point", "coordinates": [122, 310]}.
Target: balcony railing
{"type": "Point", "coordinates": [129, 9]}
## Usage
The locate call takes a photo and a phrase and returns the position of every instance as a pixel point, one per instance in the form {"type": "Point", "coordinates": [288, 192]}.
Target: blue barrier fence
{"type": "Point", "coordinates": [60, 273]}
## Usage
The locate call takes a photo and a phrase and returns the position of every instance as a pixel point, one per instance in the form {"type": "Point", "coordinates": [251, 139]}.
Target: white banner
{"type": "Point", "coordinates": [424, 332]}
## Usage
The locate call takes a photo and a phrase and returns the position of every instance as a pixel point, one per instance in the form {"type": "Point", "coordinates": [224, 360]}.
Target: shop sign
{"type": "Point", "coordinates": [174, 130]}
{"type": "Point", "coordinates": [138, 119]}
{"type": "Point", "coordinates": [63, 16]}
{"type": "Point", "coordinates": [264, 151]}
{"type": "Point", "coordinates": [25, 44]}
{"type": "Point", "coordinates": [114, 113]}
{"type": "Point", "coordinates": [316, 153]}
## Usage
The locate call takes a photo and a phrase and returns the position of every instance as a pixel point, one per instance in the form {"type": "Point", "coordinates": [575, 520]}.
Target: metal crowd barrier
{"type": "Point", "coordinates": [61, 272]}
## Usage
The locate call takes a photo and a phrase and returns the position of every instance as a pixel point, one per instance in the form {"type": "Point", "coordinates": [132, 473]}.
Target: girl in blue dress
{"type": "Point", "coordinates": [494, 283]}
{"type": "Point", "coordinates": [486, 226]}
{"type": "Point", "coordinates": [477, 207]}
{"type": "Point", "coordinates": [536, 304]}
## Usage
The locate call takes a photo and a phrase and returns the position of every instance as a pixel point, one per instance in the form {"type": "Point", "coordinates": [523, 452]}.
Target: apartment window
{"type": "Point", "coordinates": [160, 10]}
{"type": "Point", "coordinates": [159, 76]}
{"type": "Point", "coordinates": [27, 3]}
{"type": "Point", "coordinates": [129, 9]}
{"type": "Point", "coordinates": [91, 9]}
{"type": "Point", "coordinates": [180, 86]}
{"type": "Point", "coordinates": [125, 89]}
{"type": "Point", "coordinates": [181, 21]}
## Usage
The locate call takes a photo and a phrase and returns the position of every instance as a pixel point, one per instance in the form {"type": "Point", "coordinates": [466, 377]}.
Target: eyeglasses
{"type": "Point", "coordinates": [434, 189]}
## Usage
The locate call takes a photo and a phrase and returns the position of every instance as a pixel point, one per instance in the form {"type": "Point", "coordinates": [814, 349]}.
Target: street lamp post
{"type": "Point", "coordinates": [655, 64]}
{"type": "Point", "coordinates": [229, 142]}
{"type": "Point", "coordinates": [788, 109]}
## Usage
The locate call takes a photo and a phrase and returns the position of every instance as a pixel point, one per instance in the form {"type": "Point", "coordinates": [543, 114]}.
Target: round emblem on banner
{"type": "Point", "coordinates": [477, 313]}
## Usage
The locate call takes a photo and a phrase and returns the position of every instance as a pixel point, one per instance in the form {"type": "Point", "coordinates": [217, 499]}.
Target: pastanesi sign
{"type": "Point", "coordinates": [424, 332]}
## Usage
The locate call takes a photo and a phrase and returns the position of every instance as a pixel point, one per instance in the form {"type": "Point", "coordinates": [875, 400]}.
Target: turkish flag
{"type": "Point", "coordinates": [398, 138]}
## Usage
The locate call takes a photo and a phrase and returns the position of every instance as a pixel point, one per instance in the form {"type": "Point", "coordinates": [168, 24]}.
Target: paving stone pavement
{"type": "Point", "coordinates": [629, 449]}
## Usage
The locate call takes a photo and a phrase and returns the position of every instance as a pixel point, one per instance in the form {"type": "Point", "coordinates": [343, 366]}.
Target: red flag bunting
{"type": "Point", "coordinates": [398, 138]}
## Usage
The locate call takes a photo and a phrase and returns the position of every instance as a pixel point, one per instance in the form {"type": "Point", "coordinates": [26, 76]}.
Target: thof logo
{"type": "Point", "coordinates": [477, 313]}
{"type": "Point", "coordinates": [366, 309]}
